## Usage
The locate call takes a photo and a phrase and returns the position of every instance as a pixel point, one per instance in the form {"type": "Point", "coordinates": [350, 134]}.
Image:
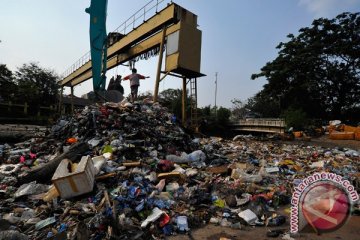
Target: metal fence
{"type": "Point", "coordinates": [141, 16]}
{"type": "Point", "coordinates": [260, 125]}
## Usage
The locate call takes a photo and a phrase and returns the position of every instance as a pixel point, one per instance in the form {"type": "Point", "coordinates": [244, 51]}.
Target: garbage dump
{"type": "Point", "coordinates": [126, 171]}
{"type": "Point", "coordinates": [339, 131]}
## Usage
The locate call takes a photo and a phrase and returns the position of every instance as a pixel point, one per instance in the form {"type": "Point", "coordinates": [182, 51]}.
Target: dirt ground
{"type": "Point", "coordinates": [350, 231]}
{"type": "Point", "coordinates": [324, 141]}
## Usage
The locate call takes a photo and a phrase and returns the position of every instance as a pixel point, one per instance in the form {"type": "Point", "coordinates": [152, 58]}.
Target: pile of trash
{"type": "Point", "coordinates": [126, 171]}
{"type": "Point", "coordinates": [340, 131]}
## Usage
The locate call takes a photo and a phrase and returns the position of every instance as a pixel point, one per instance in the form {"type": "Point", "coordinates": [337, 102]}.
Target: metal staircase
{"type": "Point", "coordinates": [193, 104]}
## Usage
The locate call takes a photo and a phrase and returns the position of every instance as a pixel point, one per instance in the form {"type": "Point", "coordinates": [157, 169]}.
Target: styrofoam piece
{"type": "Point", "coordinates": [98, 162]}
{"type": "Point", "coordinates": [319, 164]}
{"type": "Point", "coordinates": [71, 184]}
{"type": "Point", "coordinates": [248, 215]}
{"type": "Point", "coordinates": [155, 215]}
{"type": "Point", "coordinates": [272, 170]}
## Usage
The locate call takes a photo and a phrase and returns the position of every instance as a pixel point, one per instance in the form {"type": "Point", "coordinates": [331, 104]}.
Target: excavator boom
{"type": "Point", "coordinates": [98, 42]}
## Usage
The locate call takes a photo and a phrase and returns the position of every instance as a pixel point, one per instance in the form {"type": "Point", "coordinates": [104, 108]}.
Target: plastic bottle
{"type": "Point", "coordinates": [196, 156]}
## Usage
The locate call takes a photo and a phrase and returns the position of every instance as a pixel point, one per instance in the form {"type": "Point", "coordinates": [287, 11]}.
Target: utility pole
{"type": "Point", "coordinates": [216, 74]}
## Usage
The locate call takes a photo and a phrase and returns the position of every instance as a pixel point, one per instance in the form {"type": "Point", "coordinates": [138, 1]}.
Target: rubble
{"type": "Point", "coordinates": [339, 131]}
{"type": "Point", "coordinates": [144, 177]}
{"type": "Point", "coordinates": [71, 181]}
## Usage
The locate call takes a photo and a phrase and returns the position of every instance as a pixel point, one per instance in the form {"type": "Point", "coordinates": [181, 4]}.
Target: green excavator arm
{"type": "Point", "coordinates": [98, 42]}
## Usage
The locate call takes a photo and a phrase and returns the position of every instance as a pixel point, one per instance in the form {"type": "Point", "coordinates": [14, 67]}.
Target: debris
{"type": "Point", "coordinates": [44, 172]}
{"type": "Point", "coordinates": [342, 135]}
{"type": "Point", "coordinates": [74, 183]}
{"type": "Point", "coordinates": [12, 235]}
{"type": "Point", "coordinates": [288, 237]}
{"type": "Point", "coordinates": [319, 164]}
{"type": "Point", "coordinates": [98, 162]}
{"type": "Point", "coordinates": [132, 164]}
{"type": "Point", "coordinates": [236, 225]}
{"type": "Point", "coordinates": [4, 224]}
{"type": "Point", "coordinates": [248, 216]}
{"type": "Point", "coordinates": [30, 189]}
{"type": "Point", "coordinates": [171, 175]}
{"type": "Point", "coordinates": [45, 223]}
{"type": "Point", "coordinates": [231, 201]}
{"type": "Point", "coordinates": [51, 194]}
{"type": "Point", "coordinates": [243, 176]}
{"type": "Point", "coordinates": [155, 215]}
{"type": "Point", "coordinates": [9, 169]}
{"type": "Point", "coordinates": [182, 223]}
{"type": "Point", "coordinates": [272, 170]}
{"type": "Point", "coordinates": [276, 221]}
{"type": "Point", "coordinates": [274, 233]}
{"type": "Point", "coordinates": [132, 174]}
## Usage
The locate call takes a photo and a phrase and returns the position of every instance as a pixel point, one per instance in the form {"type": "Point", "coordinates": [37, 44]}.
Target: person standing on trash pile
{"type": "Point", "coordinates": [117, 84]}
{"type": "Point", "coordinates": [134, 83]}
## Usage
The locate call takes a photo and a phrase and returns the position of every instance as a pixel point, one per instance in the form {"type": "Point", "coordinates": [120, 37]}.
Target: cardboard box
{"type": "Point", "coordinates": [74, 183]}
{"type": "Point", "coordinates": [351, 129]}
{"type": "Point", "coordinates": [357, 136]}
{"type": "Point", "coordinates": [342, 135]}
{"type": "Point", "coordinates": [298, 134]}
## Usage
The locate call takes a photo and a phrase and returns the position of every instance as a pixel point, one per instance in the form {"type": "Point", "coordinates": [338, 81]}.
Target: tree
{"type": "Point", "coordinates": [318, 71]}
{"type": "Point", "coordinates": [7, 84]}
{"type": "Point", "coordinates": [205, 112]}
{"type": "Point", "coordinates": [36, 85]}
{"type": "Point", "coordinates": [172, 99]}
{"type": "Point", "coordinates": [263, 105]}
{"type": "Point", "coordinates": [295, 118]}
{"type": "Point", "coordinates": [223, 115]}
{"type": "Point", "coordinates": [238, 109]}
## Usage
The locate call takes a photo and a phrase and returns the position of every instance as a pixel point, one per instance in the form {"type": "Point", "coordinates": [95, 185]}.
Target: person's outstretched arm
{"type": "Point", "coordinates": [142, 77]}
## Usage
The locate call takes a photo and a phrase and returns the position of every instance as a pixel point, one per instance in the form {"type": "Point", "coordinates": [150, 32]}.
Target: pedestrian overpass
{"type": "Point", "coordinates": [264, 125]}
{"type": "Point", "coordinates": [147, 33]}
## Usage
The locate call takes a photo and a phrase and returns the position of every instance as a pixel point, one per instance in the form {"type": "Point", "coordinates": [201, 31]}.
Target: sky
{"type": "Point", "coordinates": [238, 38]}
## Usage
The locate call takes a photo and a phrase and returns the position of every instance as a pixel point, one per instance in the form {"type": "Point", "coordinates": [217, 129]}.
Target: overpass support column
{"type": "Point", "coordinates": [61, 99]}
{"type": "Point", "coordinates": [183, 115]}
{"type": "Point", "coordinates": [156, 91]}
{"type": "Point", "coordinates": [72, 100]}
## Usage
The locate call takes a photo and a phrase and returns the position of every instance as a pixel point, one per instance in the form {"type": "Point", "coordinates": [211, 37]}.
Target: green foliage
{"type": "Point", "coordinates": [36, 85]}
{"type": "Point", "coordinates": [238, 109]}
{"type": "Point", "coordinates": [264, 105]}
{"type": "Point", "coordinates": [205, 111]}
{"type": "Point", "coordinates": [7, 84]}
{"type": "Point", "coordinates": [223, 115]}
{"type": "Point", "coordinates": [214, 121]}
{"type": "Point", "coordinates": [209, 118]}
{"type": "Point", "coordinates": [317, 71]}
{"type": "Point", "coordinates": [172, 99]}
{"type": "Point", "coordinates": [295, 118]}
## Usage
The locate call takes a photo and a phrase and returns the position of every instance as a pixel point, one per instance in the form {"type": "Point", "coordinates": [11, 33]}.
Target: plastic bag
{"type": "Point", "coordinates": [243, 176]}
{"type": "Point", "coordinates": [12, 234]}
{"type": "Point", "coordinates": [196, 156]}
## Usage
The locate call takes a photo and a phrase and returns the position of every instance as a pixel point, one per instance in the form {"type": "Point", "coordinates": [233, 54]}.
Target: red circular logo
{"type": "Point", "coordinates": [325, 206]}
